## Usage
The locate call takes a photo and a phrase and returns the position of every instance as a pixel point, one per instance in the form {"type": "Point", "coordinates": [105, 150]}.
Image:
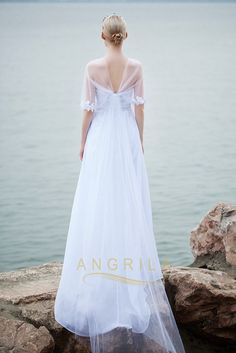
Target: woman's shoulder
{"type": "Point", "coordinates": [137, 66]}
{"type": "Point", "coordinates": [95, 62]}
{"type": "Point", "coordinates": [95, 67]}
{"type": "Point", "coordinates": [136, 62]}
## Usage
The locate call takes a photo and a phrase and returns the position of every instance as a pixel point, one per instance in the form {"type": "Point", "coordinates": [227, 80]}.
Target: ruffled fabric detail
{"type": "Point", "coordinates": [138, 100]}
{"type": "Point", "coordinates": [87, 105]}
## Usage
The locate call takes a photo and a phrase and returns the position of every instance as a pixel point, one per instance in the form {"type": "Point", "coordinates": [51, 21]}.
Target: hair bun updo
{"type": "Point", "coordinates": [117, 37]}
{"type": "Point", "coordinates": [114, 28]}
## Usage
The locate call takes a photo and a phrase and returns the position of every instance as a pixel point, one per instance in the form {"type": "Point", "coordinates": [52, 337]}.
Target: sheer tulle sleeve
{"type": "Point", "coordinates": [88, 96]}
{"type": "Point", "coordinates": [139, 88]}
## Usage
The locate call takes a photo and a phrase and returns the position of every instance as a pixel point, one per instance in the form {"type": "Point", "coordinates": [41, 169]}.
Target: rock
{"type": "Point", "coordinates": [204, 300]}
{"type": "Point", "coordinates": [31, 284]}
{"type": "Point", "coordinates": [213, 241]}
{"type": "Point", "coordinates": [122, 340]}
{"type": "Point", "coordinates": [21, 337]}
{"type": "Point", "coordinates": [28, 295]}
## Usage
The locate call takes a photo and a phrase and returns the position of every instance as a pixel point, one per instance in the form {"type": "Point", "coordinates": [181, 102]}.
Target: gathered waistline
{"type": "Point", "coordinates": [104, 108]}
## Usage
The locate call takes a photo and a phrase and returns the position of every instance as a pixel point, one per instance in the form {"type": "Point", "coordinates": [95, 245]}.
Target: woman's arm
{"type": "Point", "coordinates": [139, 116]}
{"type": "Point", "coordinates": [88, 105]}
{"type": "Point", "coordinates": [139, 101]}
{"type": "Point", "coordinates": [87, 118]}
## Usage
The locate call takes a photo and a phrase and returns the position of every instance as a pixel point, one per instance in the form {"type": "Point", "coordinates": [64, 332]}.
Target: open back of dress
{"type": "Point", "coordinates": [111, 287]}
{"type": "Point", "coordinates": [97, 78]}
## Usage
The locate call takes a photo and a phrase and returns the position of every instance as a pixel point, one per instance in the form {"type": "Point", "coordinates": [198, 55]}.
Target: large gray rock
{"type": "Point", "coordinates": [204, 300]}
{"type": "Point", "coordinates": [213, 241]}
{"type": "Point", "coordinates": [28, 295]}
{"type": "Point", "coordinates": [18, 336]}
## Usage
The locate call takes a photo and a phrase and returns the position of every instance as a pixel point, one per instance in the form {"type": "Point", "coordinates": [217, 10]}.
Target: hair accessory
{"type": "Point", "coordinates": [117, 35]}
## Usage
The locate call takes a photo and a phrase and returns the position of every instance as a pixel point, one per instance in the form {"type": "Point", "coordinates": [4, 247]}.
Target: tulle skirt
{"type": "Point", "coordinates": [111, 287]}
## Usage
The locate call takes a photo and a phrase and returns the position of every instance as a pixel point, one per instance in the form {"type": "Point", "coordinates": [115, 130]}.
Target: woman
{"type": "Point", "coordinates": [111, 286]}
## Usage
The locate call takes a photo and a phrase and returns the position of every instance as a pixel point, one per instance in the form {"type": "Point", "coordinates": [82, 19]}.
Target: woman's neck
{"type": "Point", "coordinates": [114, 51]}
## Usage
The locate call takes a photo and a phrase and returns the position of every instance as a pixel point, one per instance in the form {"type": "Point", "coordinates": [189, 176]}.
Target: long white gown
{"type": "Point", "coordinates": [111, 287]}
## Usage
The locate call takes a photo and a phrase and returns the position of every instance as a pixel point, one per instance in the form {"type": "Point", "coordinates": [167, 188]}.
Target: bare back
{"type": "Point", "coordinates": [116, 75]}
{"type": "Point", "coordinates": [115, 70]}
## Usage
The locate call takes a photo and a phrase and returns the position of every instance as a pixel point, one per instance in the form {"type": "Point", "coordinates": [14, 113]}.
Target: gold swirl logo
{"type": "Point", "coordinates": [118, 278]}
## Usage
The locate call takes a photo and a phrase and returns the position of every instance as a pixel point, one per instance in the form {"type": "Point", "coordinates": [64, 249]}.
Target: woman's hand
{"type": "Point", "coordinates": [142, 146]}
{"type": "Point", "coordinates": [81, 152]}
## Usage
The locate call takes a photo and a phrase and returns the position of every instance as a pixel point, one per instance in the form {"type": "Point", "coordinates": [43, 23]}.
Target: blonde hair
{"type": "Point", "coordinates": [114, 28]}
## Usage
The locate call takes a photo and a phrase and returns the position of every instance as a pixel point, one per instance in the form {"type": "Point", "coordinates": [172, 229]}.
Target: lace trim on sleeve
{"type": "Point", "coordinates": [87, 105]}
{"type": "Point", "coordinates": [138, 100]}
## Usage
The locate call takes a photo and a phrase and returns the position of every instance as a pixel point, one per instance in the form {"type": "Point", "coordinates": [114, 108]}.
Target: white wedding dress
{"type": "Point", "coordinates": [111, 287]}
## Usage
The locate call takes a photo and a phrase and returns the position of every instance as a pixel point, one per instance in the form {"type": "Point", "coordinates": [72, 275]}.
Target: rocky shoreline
{"type": "Point", "coordinates": [202, 296]}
